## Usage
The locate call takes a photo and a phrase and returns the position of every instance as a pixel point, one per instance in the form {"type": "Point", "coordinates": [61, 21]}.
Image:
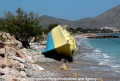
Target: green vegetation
{"type": "Point", "coordinates": [50, 27]}
{"type": "Point", "coordinates": [24, 26]}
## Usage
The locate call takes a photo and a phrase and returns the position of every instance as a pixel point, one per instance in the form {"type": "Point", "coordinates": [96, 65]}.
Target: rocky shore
{"type": "Point", "coordinates": [21, 64]}
{"type": "Point", "coordinates": [16, 63]}
{"type": "Point", "coordinates": [105, 36]}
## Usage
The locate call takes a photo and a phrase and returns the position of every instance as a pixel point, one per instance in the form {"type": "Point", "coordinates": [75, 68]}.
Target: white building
{"type": "Point", "coordinates": [110, 28]}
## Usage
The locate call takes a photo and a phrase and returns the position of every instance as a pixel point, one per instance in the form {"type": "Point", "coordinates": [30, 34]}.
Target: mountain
{"type": "Point", "coordinates": [109, 18]}
{"type": "Point", "coordinates": [45, 21]}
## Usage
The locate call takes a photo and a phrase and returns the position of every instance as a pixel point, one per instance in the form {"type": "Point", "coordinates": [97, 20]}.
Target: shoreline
{"type": "Point", "coordinates": [21, 64]}
{"type": "Point", "coordinates": [81, 67]}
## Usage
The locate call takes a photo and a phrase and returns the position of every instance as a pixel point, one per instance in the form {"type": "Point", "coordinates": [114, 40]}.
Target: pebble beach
{"type": "Point", "coordinates": [36, 67]}
{"type": "Point", "coordinates": [83, 68]}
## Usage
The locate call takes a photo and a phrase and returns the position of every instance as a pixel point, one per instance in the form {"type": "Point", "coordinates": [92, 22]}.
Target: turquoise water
{"type": "Point", "coordinates": [106, 51]}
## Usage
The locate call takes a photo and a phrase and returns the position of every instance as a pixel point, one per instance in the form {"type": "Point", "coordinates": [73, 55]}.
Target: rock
{"type": "Point", "coordinates": [35, 57]}
{"type": "Point", "coordinates": [2, 52]}
{"type": "Point", "coordinates": [21, 60]}
{"type": "Point", "coordinates": [99, 79]}
{"type": "Point", "coordinates": [21, 53]}
{"type": "Point", "coordinates": [4, 36]}
{"type": "Point", "coordinates": [13, 38]}
{"type": "Point", "coordinates": [10, 71]}
{"type": "Point", "coordinates": [27, 66]}
{"type": "Point", "coordinates": [75, 74]}
{"type": "Point", "coordinates": [9, 78]}
{"type": "Point", "coordinates": [16, 67]}
{"type": "Point", "coordinates": [8, 49]}
{"type": "Point", "coordinates": [29, 59]}
{"type": "Point", "coordinates": [14, 61]}
{"type": "Point", "coordinates": [2, 72]}
{"type": "Point", "coordinates": [1, 61]}
{"type": "Point", "coordinates": [2, 45]}
{"type": "Point", "coordinates": [43, 43]}
{"type": "Point", "coordinates": [7, 40]}
{"type": "Point", "coordinates": [7, 62]}
{"type": "Point", "coordinates": [37, 68]}
{"type": "Point", "coordinates": [64, 67]}
{"type": "Point", "coordinates": [8, 35]}
{"type": "Point", "coordinates": [18, 44]}
{"type": "Point", "coordinates": [22, 66]}
{"type": "Point", "coordinates": [32, 40]}
{"type": "Point", "coordinates": [10, 44]}
{"type": "Point", "coordinates": [23, 79]}
{"type": "Point", "coordinates": [22, 74]}
{"type": "Point", "coordinates": [14, 72]}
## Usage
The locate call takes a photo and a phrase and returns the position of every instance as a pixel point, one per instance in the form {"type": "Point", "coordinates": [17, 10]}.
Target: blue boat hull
{"type": "Point", "coordinates": [50, 46]}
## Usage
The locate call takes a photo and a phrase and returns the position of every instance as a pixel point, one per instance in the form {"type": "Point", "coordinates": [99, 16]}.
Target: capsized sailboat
{"type": "Point", "coordinates": [60, 42]}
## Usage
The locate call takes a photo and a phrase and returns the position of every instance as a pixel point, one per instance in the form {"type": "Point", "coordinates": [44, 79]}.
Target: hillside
{"type": "Point", "coordinates": [45, 21]}
{"type": "Point", "coordinates": [109, 18]}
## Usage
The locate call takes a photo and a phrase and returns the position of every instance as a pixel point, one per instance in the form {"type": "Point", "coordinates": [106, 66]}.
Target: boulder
{"type": "Point", "coordinates": [21, 53]}
{"type": "Point", "coordinates": [21, 60]}
{"type": "Point", "coordinates": [9, 78]}
{"type": "Point", "coordinates": [7, 40]}
{"type": "Point", "coordinates": [22, 74]}
{"type": "Point", "coordinates": [8, 35]}
{"type": "Point", "coordinates": [2, 45]}
{"type": "Point", "coordinates": [22, 66]}
{"type": "Point", "coordinates": [18, 44]}
{"type": "Point", "coordinates": [99, 79]}
{"type": "Point", "coordinates": [1, 61]}
{"type": "Point", "coordinates": [2, 52]}
{"type": "Point", "coordinates": [75, 74]}
{"type": "Point", "coordinates": [7, 62]}
{"type": "Point", "coordinates": [9, 44]}
{"type": "Point", "coordinates": [8, 49]}
{"type": "Point", "coordinates": [64, 67]}
{"type": "Point", "coordinates": [43, 43]}
{"type": "Point", "coordinates": [16, 67]}
{"type": "Point", "coordinates": [35, 57]}
{"type": "Point", "coordinates": [32, 40]}
{"type": "Point", "coordinates": [37, 67]}
{"type": "Point", "coordinates": [23, 79]}
{"type": "Point", "coordinates": [14, 72]}
{"type": "Point", "coordinates": [4, 36]}
{"type": "Point", "coordinates": [2, 72]}
{"type": "Point", "coordinates": [29, 59]}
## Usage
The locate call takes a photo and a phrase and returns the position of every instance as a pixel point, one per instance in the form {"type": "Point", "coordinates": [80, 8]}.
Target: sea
{"type": "Point", "coordinates": [104, 50]}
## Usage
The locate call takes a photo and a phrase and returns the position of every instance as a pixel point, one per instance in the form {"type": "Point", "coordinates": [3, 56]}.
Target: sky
{"type": "Point", "coordinates": [64, 9]}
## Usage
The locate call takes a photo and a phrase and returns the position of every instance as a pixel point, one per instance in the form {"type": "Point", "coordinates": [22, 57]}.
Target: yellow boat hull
{"type": "Point", "coordinates": [64, 43]}
{"type": "Point", "coordinates": [60, 43]}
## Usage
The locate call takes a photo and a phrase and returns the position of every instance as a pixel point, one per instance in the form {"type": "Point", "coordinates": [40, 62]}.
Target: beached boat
{"type": "Point", "coordinates": [60, 42]}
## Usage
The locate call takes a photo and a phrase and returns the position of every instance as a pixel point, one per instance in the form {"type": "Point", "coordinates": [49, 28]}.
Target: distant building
{"type": "Point", "coordinates": [74, 28]}
{"type": "Point", "coordinates": [65, 26]}
{"type": "Point", "coordinates": [114, 29]}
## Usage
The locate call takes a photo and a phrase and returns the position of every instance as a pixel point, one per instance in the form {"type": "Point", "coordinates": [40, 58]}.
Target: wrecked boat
{"type": "Point", "coordinates": [60, 43]}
